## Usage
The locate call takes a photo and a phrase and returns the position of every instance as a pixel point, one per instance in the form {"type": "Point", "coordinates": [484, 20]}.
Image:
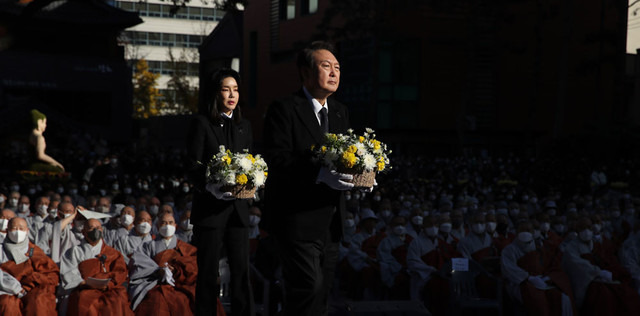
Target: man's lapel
{"type": "Point", "coordinates": [305, 111]}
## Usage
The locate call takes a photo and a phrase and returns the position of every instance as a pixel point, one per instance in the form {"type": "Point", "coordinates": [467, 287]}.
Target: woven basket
{"type": "Point", "coordinates": [240, 191]}
{"type": "Point", "coordinates": [363, 179]}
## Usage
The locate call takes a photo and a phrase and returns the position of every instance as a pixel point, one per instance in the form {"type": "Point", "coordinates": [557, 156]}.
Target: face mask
{"type": "Point", "coordinates": [171, 204]}
{"type": "Point", "coordinates": [377, 198]}
{"type": "Point", "coordinates": [143, 228]}
{"type": "Point", "coordinates": [478, 228]}
{"type": "Point", "coordinates": [24, 208]}
{"type": "Point", "coordinates": [630, 211]}
{"type": "Point", "coordinates": [161, 186]}
{"type": "Point", "coordinates": [491, 226]}
{"type": "Point", "coordinates": [13, 202]}
{"type": "Point", "coordinates": [4, 224]}
{"type": "Point", "coordinates": [347, 197]}
{"type": "Point", "coordinates": [84, 187]}
{"type": "Point", "coordinates": [42, 210]}
{"type": "Point", "coordinates": [400, 198]}
{"type": "Point", "coordinates": [509, 197]}
{"type": "Point", "coordinates": [431, 231]}
{"type": "Point", "coordinates": [559, 228]}
{"type": "Point", "coordinates": [525, 198]}
{"type": "Point", "coordinates": [185, 189]}
{"type": "Point", "coordinates": [153, 209]}
{"type": "Point", "coordinates": [385, 213]}
{"type": "Point", "coordinates": [115, 186]}
{"type": "Point", "coordinates": [399, 230]}
{"type": "Point", "coordinates": [534, 200]}
{"type": "Point", "coordinates": [167, 231]}
{"type": "Point", "coordinates": [78, 225]}
{"type": "Point", "coordinates": [615, 214]}
{"type": "Point", "coordinates": [15, 188]}
{"type": "Point", "coordinates": [32, 191]}
{"type": "Point", "coordinates": [66, 215]}
{"type": "Point", "coordinates": [102, 209]}
{"type": "Point", "coordinates": [445, 227]}
{"type": "Point", "coordinates": [417, 220]}
{"type": "Point", "coordinates": [356, 196]}
{"type": "Point", "coordinates": [586, 235]}
{"type": "Point", "coordinates": [73, 191]}
{"type": "Point", "coordinates": [127, 220]}
{"type": "Point", "coordinates": [94, 235]}
{"type": "Point", "coordinates": [349, 223]}
{"type": "Point", "coordinates": [60, 190]}
{"type": "Point", "coordinates": [254, 220]}
{"type": "Point", "coordinates": [145, 187]}
{"type": "Point", "coordinates": [572, 210]}
{"type": "Point", "coordinates": [114, 161]}
{"type": "Point", "coordinates": [127, 190]}
{"type": "Point", "coordinates": [545, 227]}
{"type": "Point", "coordinates": [597, 228]}
{"type": "Point", "coordinates": [551, 212]}
{"type": "Point", "coordinates": [53, 213]}
{"type": "Point", "coordinates": [406, 204]}
{"type": "Point", "coordinates": [514, 212]}
{"type": "Point", "coordinates": [103, 192]}
{"type": "Point", "coordinates": [17, 236]}
{"type": "Point", "coordinates": [1, 199]}
{"type": "Point", "coordinates": [186, 224]}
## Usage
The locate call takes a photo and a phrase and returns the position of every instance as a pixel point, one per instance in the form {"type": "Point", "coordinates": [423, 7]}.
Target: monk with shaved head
{"type": "Point", "coordinates": [29, 277]}
{"type": "Point", "coordinates": [93, 273]}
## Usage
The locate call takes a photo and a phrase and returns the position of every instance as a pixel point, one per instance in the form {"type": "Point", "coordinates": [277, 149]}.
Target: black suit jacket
{"type": "Point", "coordinates": [296, 206]}
{"type": "Point", "coordinates": [203, 141]}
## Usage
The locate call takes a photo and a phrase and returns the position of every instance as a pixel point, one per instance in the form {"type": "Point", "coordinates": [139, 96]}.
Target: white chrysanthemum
{"type": "Point", "coordinates": [369, 130]}
{"type": "Point", "coordinates": [230, 178]}
{"type": "Point", "coordinates": [245, 164]}
{"type": "Point", "coordinates": [258, 178]}
{"type": "Point", "coordinates": [369, 162]}
{"type": "Point", "coordinates": [362, 149]}
{"type": "Point", "coordinates": [222, 149]}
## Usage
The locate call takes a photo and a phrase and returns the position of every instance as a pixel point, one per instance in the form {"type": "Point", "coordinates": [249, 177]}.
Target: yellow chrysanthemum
{"type": "Point", "coordinates": [323, 149]}
{"type": "Point", "coordinates": [380, 165]}
{"type": "Point", "coordinates": [226, 159]}
{"type": "Point", "coordinates": [349, 159]}
{"type": "Point", "coordinates": [332, 137]}
{"type": "Point", "coordinates": [241, 179]}
{"type": "Point", "coordinates": [266, 174]}
{"type": "Point", "coordinates": [250, 157]}
{"type": "Point", "coordinates": [352, 149]}
{"type": "Point", "coordinates": [376, 144]}
{"type": "Point", "coordinates": [361, 139]}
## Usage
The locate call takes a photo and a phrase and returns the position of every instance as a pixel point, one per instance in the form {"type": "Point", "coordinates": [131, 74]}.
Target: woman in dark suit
{"type": "Point", "coordinates": [219, 220]}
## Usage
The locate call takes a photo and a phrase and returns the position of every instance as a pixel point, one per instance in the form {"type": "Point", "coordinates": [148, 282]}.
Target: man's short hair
{"type": "Point", "coordinates": [305, 56]}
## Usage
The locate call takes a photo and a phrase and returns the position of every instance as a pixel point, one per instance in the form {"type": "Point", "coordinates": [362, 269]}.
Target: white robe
{"type": "Point", "coordinates": [580, 271]}
{"type": "Point", "coordinates": [630, 257]}
{"type": "Point", "coordinates": [356, 257]}
{"type": "Point", "coordinates": [420, 271]}
{"type": "Point", "coordinates": [389, 266]}
{"type": "Point", "coordinates": [472, 243]}
{"type": "Point", "coordinates": [512, 273]}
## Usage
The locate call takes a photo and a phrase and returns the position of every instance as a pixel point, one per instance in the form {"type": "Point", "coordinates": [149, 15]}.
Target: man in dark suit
{"type": "Point", "coordinates": [219, 219]}
{"type": "Point", "coordinates": [304, 202]}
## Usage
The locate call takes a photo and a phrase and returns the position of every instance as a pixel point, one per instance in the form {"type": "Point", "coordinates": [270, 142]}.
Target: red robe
{"type": "Point", "coordinates": [436, 291]}
{"type": "Point", "coordinates": [112, 301]}
{"type": "Point", "coordinates": [38, 275]}
{"type": "Point", "coordinates": [544, 302]}
{"type": "Point", "coordinates": [502, 241]}
{"type": "Point", "coordinates": [609, 299]}
{"type": "Point", "coordinates": [165, 299]}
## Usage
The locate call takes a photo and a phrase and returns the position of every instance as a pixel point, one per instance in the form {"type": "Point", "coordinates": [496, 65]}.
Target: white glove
{"type": "Point", "coordinates": [215, 190]}
{"type": "Point", "coordinates": [538, 282]}
{"type": "Point", "coordinates": [334, 179]}
{"type": "Point", "coordinates": [168, 275]}
{"type": "Point", "coordinates": [605, 275]}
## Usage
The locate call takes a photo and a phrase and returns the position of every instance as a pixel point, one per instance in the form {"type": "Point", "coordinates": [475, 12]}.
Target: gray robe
{"type": "Point", "coordinates": [61, 241]}
{"type": "Point", "coordinates": [127, 245]}
{"type": "Point", "coordinates": [142, 268]}
{"type": "Point", "coordinates": [9, 285]}
{"type": "Point", "coordinates": [580, 271]}
{"type": "Point", "coordinates": [472, 243]}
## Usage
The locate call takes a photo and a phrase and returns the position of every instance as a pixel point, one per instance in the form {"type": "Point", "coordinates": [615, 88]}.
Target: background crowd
{"type": "Point", "coordinates": [471, 206]}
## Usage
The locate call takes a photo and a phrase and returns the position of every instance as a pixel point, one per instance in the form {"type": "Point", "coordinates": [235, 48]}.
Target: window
{"type": "Point", "coordinates": [287, 9]}
{"type": "Point", "coordinates": [154, 10]}
{"type": "Point", "coordinates": [308, 7]}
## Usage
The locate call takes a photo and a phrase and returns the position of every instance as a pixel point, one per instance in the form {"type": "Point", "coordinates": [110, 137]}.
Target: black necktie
{"type": "Point", "coordinates": [324, 120]}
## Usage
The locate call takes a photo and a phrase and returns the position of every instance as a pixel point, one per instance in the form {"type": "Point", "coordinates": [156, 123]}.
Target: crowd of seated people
{"type": "Point", "coordinates": [563, 236]}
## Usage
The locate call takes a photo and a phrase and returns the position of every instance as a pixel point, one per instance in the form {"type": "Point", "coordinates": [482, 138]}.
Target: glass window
{"type": "Point", "coordinates": [208, 14]}
{"type": "Point", "coordinates": [154, 9]}
{"type": "Point", "coordinates": [166, 11]}
{"type": "Point", "coordinates": [287, 9]}
{"type": "Point", "coordinates": [195, 13]}
{"type": "Point", "coordinates": [308, 6]}
{"type": "Point", "coordinates": [126, 6]}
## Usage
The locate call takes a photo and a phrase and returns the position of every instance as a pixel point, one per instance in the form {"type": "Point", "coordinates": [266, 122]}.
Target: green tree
{"type": "Point", "coordinates": [146, 96]}
{"type": "Point", "coordinates": [185, 93]}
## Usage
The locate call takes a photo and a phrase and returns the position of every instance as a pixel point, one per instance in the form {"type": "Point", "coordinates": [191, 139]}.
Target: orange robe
{"type": "Point", "coordinates": [165, 299]}
{"type": "Point", "coordinates": [39, 276]}
{"type": "Point", "coordinates": [94, 302]}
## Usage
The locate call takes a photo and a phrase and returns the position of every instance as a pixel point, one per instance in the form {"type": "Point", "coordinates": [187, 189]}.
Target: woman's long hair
{"type": "Point", "coordinates": [213, 108]}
